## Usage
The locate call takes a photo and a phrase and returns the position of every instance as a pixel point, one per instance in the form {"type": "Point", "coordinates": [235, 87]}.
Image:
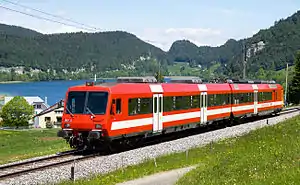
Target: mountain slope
{"type": "Point", "coordinates": [72, 51]}
{"type": "Point", "coordinates": [269, 49]}
{"type": "Point", "coordinates": [17, 31]}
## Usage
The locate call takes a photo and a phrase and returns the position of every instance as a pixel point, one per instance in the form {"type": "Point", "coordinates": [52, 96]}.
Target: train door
{"type": "Point", "coordinates": [157, 112]}
{"type": "Point", "coordinates": [255, 101]}
{"type": "Point", "coordinates": [203, 105]}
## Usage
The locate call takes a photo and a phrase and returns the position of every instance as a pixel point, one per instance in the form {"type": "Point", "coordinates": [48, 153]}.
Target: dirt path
{"type": "Point", "coordinates": [163, 178]}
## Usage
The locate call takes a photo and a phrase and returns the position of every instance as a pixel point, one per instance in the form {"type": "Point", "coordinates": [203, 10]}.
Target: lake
{"type": "Point", "coordinates": [53, 90]}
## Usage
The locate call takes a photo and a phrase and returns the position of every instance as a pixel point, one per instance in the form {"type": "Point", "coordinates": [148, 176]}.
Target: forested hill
{"type": "Point", "coordinates": [72, 51]}
{"type": "Point", "coordinates": [269, 49]}
{"type": "Point", "coordinates": [17, 31]}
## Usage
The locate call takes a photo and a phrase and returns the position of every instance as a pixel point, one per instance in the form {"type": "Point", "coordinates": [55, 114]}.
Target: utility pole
{"type": "Point", "coordinates": [286, 82]}
{"type": "Point", "coordinates": [244, 60]}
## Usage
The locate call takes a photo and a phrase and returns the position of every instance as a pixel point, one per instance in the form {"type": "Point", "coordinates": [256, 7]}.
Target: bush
{"type": "Point", "coordinates": [49, 124]}
{"type": "Point", "coordinates": [17, 112]}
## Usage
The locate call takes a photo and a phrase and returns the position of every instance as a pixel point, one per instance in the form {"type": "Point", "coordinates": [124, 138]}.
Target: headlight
{"type": "Point", "coordinates": [98, 126]}
{"type": "Point", "coordinates": [67, 125]}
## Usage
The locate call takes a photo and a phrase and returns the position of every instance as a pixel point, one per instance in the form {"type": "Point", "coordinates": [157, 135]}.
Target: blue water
{"type": "Point", "coordinates": [53, 90]}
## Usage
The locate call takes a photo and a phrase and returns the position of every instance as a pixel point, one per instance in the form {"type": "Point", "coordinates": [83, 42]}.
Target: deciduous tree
{"type": "Point", "coordinates": [17, 112]}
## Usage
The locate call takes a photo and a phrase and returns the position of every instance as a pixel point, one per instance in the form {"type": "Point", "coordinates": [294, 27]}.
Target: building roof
{"type": "Point", "coordinates": [30, 99]}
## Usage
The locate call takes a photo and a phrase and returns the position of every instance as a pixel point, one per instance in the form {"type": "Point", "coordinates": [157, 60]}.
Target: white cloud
{"type": "Point", "coordinates": [164, 38]}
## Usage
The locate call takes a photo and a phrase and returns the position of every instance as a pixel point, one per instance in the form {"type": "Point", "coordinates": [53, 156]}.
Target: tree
{"type": "Point", "coordinates": [261, 75]}
{"type": "Point", "coordinates": [159, 77]}
{"type": "Point", "coordinates": [295, 85]}
{"type": "Point", "coordinates": [17, 112]}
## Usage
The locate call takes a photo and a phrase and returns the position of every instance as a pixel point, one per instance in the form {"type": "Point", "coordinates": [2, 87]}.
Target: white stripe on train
{"type": "Point", "coordinates": [190, 115]}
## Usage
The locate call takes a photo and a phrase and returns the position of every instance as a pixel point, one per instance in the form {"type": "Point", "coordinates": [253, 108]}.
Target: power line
{"type": "Point", "coordinates": [43, 18]}
{"type": "Point", "coordinates": [51, 20]}
{"type": "Point", "coordinates": [57, 16]}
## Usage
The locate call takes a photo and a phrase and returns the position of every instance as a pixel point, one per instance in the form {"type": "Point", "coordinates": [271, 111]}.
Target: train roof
{"type": "Point", "coordinates": [259, 87]}
{"type": "Point", "coordinates": [148, 87]}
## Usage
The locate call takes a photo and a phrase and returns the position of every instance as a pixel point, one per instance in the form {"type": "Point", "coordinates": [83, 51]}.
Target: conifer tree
{"type": "Point", "coordinates": [295, 85]}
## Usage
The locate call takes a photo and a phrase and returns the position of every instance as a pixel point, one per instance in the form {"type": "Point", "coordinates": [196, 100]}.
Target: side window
{"type": "Point", "coordinates": [118, 106]}
{"type": "Point", "coordinates": [168, 103]}
{"type": "Point", "coordinates": [141, 105]}
{"type": "Point", "coordinates": [117, 103]}
{"type": "Point", "coordinates": [196, 101]}
{"type": "Point", "coordinates": [111, 109]}
{"type": "Point", "coordinates": [155, 105]}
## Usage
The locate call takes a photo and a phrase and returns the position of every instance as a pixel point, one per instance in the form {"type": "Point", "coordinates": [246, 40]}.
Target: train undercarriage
{"type": "Point", "coordinates": [94, 140]}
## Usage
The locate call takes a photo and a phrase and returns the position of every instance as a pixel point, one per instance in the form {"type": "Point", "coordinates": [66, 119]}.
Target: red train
{"type": "Point", "coordinates": [131, 108]}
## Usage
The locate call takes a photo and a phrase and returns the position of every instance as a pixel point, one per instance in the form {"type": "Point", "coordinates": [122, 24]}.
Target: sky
{"type": "Point", "coordinates": [159, 22]}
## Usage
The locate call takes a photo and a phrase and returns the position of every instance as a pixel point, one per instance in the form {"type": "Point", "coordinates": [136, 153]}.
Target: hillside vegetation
{"type": "Point", "coordinates": [270, 49]}
{"type": "Point", "coordinates": [115, 53]}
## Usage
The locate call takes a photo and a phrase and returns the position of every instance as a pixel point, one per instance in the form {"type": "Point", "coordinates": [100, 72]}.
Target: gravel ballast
{"type": "Point", "coordinates": [109, 163]}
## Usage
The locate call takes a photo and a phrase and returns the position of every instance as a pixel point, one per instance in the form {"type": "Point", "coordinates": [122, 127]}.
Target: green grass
{"type": "Point", "coordinates": [17, 145]}
{"type": "Point", "coordinates": [270, 155]}
{"type": "Point", "coordinates": [175, 69]}
{"type": "Point", "coordinates": [266, 156]}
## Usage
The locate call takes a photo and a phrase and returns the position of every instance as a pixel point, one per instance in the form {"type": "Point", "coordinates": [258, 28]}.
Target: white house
{"type": "Point", "coordinates": [38, 103]}
{"type": "Point", "coordinates": [53, 118]}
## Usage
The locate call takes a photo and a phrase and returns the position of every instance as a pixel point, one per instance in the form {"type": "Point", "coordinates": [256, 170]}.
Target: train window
{"type": "Point", "coordinates": [140, 106]}
{"type": "Point", "coordinates": [239, 98]}
{"type": "Point", "coordinates": [76, 102]}
{"type": "Point", "coordinates": [195, 101]}
{"type": "Point", "coordinates": [111, 109]}
{"type": "Point", "coordinates": [132, 106]}
{"type": "Point", "coordinates": [145, 105]}
{"type": "Point", "coordinates": [225, 99]}
{"type": "Point", "coordinates": [178, 103]}
{"type": "Point", "coordinates": [96, 103]}
{"type": "Point", "coordinates": [168, 103]}
{"type": "Point", "coordinates": [268, 96]}
{"type": "Point", "coordinates": [160, 104]}
{"type": "Point", "coordinates": [218, 99]}
{"type": "Point", "coordinates": [182, 102]}
{"type": "Point", "coordinates": [265, 96]}
{"type": "Point", "coordinates": [118, 106]}
{"type": "Point", "coordinates": [210, 100]}
{"type": "Point", "coordinates": [155, 105]}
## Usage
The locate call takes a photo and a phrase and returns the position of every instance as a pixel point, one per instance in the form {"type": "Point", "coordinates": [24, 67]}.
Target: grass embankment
{"type": "Point", "coordinates": [270, 155]}
{"type": "Point", "coordinates": [17, 145]}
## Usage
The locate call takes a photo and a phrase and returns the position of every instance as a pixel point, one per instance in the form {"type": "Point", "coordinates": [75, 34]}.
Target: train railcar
{"type": "Point", "coordinates": [133, 108]}
{"type": "Point", "coordinates": [256, 98]}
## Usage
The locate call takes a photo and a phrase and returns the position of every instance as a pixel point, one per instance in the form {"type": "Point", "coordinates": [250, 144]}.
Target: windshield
{"type": "Point", "coordinates": [87, 102]}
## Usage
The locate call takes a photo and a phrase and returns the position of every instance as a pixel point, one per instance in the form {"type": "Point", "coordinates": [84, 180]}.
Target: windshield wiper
{"type": "Point", "coordinates": [69, 111]}
{"type": "Point", "coordinates": [87, 108]}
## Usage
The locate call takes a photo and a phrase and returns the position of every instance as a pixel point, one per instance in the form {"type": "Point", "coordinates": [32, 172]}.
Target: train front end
{"type": "Point", "coordinates": [85, 116]}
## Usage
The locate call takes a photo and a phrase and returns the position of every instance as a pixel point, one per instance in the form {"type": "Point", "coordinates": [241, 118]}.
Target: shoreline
{"type": "Point", "coordinates": [11, 82]}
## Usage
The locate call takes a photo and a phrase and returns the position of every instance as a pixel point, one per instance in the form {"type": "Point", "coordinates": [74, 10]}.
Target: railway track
{"type": "Point", "coordinates": [11, 170]}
